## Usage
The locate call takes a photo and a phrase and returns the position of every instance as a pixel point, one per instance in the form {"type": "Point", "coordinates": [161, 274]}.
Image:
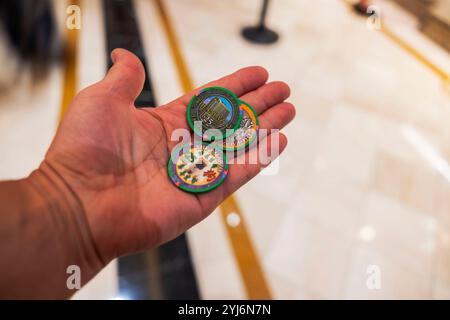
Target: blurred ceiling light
{"type": "Point", "coordinates": [427, 150]}
{"type": "Point", "coordinates": [367, 233]}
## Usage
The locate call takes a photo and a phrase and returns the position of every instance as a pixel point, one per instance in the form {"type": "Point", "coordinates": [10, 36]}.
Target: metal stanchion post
{"type": "Point", "coordinates": [260, 33]}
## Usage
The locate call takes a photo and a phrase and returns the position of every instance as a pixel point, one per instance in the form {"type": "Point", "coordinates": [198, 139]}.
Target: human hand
{"type": "Point", "coordinates": [113, 157]}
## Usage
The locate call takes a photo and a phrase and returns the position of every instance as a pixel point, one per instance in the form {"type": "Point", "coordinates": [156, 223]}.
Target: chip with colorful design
{"type": "Point", "coordinates": [197, 167]}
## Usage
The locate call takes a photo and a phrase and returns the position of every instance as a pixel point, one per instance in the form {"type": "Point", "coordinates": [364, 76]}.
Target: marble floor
{"type": "Point", "coordinates": [359, 206]}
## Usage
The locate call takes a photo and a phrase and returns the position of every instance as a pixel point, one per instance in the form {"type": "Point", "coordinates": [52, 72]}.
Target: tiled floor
{"type": "Point", "coordinates": [365, 180]}
{"type": "Point", "coordinates": [359, 183]}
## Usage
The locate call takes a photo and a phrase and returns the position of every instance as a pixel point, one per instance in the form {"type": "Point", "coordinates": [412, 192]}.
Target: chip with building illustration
{"type": "Point", "coordinates": [214, 113]}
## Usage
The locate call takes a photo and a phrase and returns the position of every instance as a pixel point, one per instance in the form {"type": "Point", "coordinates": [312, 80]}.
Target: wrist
{"type": "Point", "coordinates": [63, 218]}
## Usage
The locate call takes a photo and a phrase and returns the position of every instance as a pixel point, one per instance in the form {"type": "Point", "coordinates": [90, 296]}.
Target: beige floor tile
{"type": "Point", "coordinates": [333, 203]}
{"type": "Point", "coordinates": [403, 234]}
{"type": "Point", "coordinates": [414, 185]}
{"type": "Point", "coordinates": [442, 274]}
{"type": "Point", "coordinates": [345, 160]}
{"type": "Point", "coordinates": [282, 288]}
{"type": "Point", "coordinates": [442, 208]}
{"type": "Point", "coordinates": [393, 177]}
{"type": "Point", "coordinates": [255, 210]}
{"type": "Point", "coordinates": [219, 279]}
{"type": "Point", "coordinates": [217, 246]}
{"type": "Point", "coordinates": [309, 255]}
{"type": "Point", "coordinates": [441, 292]}
{"type": "Point", "coordinates": [25, 140]}
{"type": "Point", "coordinates": [395, 281]}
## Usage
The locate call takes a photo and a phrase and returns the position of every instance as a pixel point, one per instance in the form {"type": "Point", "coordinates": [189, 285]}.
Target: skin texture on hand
{"type": "Point", "coordinates": [110, 160]}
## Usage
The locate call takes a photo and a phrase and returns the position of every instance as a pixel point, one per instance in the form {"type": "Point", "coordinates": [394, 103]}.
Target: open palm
{"type": "Point", "coordinates": [114, 156]}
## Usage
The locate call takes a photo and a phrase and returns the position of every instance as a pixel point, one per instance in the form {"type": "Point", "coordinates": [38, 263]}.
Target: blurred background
{"type": "Point", "coordinates": [359, 204]}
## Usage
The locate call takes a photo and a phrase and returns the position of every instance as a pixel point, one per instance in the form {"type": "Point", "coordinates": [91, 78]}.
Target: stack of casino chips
{"type": "Point", "coordinates": [225, 124]}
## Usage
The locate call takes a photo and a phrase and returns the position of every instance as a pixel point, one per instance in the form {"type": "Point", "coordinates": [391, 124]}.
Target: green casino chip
{"type": "Point", "coordinates": [197, 168]}
{"type": "Point", "coordinates": [216, 108]}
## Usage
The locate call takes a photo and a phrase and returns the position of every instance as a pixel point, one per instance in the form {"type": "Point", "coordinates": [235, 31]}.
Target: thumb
{"type": "Point", "coordinates": [126, 77]}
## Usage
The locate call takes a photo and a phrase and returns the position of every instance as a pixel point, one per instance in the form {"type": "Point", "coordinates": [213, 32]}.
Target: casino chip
{"type": "Point", "coordinates": [245, 134]}
{"type": "Point", "coordinates": [216, 108]}
{"type": "Point", "coordinates": [197, 168]}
